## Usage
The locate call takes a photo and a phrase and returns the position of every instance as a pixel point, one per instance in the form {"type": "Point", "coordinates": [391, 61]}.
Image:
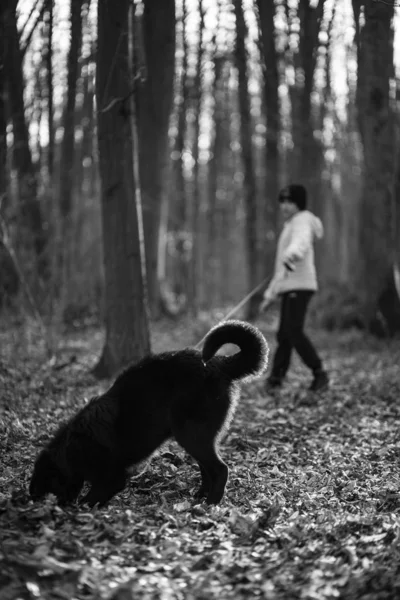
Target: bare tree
{"type": "Point", "coordinates": [50, 86]}
{"type": "Point", "coordinates": [155, 103]}
{"type": "Point", "coordinates": [306, 151]}
{"type": "Point", "coordinates": [179, 223]}
{"type": "Point", "coordinates": [375, 119]}
{"type": "Point", "coordinates": [3, 118]}
{"type": "Point", "coordinates": [68, 142]}
{"type": "Point", "coordinates": [221, 75]}
{"type": "Point", "coordinates": [32, 232]}
{"type": "Point", "coordinates": [127, 333]}
{"type": "Point", "coordinates": [357, 5]}
{"type": "Point", "coordinates": [246, 130]}
{"type": "Point", "coordinates": [195, 217]}
{"type": "Point", "coordinates": [269, 52]}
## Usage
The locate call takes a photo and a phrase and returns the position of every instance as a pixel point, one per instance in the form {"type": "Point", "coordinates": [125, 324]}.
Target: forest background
{"type": "Point", "coordinates": [232, 101]}
{"type": "Point", "coordinates": [187, 117]}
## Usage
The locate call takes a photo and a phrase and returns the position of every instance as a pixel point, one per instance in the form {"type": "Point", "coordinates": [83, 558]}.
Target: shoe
{"type": "Point", "coordinates": [320, 381]}
{"type": "Point", "coordinates": [273, 383]}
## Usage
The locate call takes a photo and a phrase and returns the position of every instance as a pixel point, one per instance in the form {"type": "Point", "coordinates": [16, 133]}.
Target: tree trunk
{"type": "Point", "coordinates": [155, 103]}
{"type": "Point", "coordinates": [266, 12]}
{"type": "Point", "coordinates": [31, 223]}
{"type": "Point", "coordinates": [249, 184]}
{"type": "Point", "coordinates": [376, 240]}
{"type": "Point", "coordinates": [179, 224]}
{"type": "Point", "coordinates": [195, 220]}
{"type": "Point", "coordinates": [3, 118]}
{"type": "Point", "coordinates": [85, 155]}
{"type": "Point", "coordinates": [127, 333]}
{"type": "Point", "coordinates": [9, 282]}
{"type": "Point", "coordinates": [307, 151]}
{"type": "Point", "coordinates": [68, 143]}
{"type": "Point", "coordinates": [50, 87]}
{"type": "Point", "coordinates": [88, 129]}
{"type": "Point", "coordinates": [271, 97]}
{"type": "Point", "coordinates": [396, 236]}
{"type": "Point", "coordinates": [357, 4]}
{"type": "Point", "coordinates": [221, 76]}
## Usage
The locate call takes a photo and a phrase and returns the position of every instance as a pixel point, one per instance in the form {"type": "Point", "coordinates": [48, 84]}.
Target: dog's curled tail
{"type": "Point", "coordinates": [251, 360]}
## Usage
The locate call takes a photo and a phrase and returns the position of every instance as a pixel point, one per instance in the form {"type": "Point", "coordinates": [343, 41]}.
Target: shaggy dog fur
{"type": "Point", "coordinates": [188, 395]}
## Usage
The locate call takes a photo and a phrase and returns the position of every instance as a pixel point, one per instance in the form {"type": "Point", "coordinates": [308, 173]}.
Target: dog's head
{"type": "Point", "coordinates": [47, 478]}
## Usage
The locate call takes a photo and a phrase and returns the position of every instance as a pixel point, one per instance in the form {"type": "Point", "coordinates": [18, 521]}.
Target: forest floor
{"type": "Point", "coordinates": [311, 511]}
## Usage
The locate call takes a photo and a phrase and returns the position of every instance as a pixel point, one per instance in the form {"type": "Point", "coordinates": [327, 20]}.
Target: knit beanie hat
{"type": "Point", "coordinates": [294, 193]}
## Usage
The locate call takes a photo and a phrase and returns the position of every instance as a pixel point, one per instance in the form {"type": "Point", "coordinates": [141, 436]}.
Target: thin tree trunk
{"type": "Point", "coordinates": [87, 124]}
{"type": "Point", "coordinates": [28, 39]}
{"type": "Point", "coordinates": [310, 19]}
{"type": "Point", "coordinates": [84, 159]}
{"type": "Point", "coordinates": [357, 4]}
{"type": "Point", "coordinates": [180, 224]}
{"type": "Point", "coordinates": [249, 184]}
{"type": "Point", "coordinates": [68, 143]}
{"type": "Point", "coordinates": [9, 279]}
{"type": "Point", "coordinates": [396, 220]}
{"type": "Point", "coordinates": [271, 98]}
{"type": "Point", "coordinates": [127, 333]}
{"type": "Point", "coordinates": [195, 262]}
{"type": "Point", "coordinates": [3, 118]}
{"type": "Point", "coordinates": [32, 233]}
{"type": "Point", "coordinates": [155, 104]}
{"type": "Point", "coordinates": [214, 166]}
{"type": "Point", "coordinates": [376, 40]}
{"type": "Point", "coordinates": [306, 152]}
{"type": "Point", "coordinates": [50, 88]}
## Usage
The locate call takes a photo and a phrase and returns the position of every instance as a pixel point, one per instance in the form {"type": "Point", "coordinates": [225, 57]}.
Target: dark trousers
{"type": "Point", "coordinates": [291, 335]}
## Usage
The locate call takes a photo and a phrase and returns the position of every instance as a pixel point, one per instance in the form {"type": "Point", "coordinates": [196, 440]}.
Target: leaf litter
{"type": "Point", "coordinates": [312, 507]}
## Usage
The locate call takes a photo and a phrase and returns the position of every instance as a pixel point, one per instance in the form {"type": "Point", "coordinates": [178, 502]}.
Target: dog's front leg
{"type": "Point", "coordinates": [71, 492]}
{"type": "Point", "coordinates": [104, 488]}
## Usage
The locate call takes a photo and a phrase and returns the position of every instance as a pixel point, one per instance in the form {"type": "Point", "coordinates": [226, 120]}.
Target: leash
{"type": "Point", "coordinates": [236, 308]}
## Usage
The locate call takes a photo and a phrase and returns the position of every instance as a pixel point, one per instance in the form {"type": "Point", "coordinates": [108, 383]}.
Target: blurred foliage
{"type": "Point", "coordinates": [336, 307]}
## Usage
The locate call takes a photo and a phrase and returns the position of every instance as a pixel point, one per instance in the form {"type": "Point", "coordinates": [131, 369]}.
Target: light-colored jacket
{"type": "Point", "coordinates": [296, 250]}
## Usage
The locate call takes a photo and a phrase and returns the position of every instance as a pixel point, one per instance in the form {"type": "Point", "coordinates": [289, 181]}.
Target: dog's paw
{"type": "Point", "coordinates": [202, 492]}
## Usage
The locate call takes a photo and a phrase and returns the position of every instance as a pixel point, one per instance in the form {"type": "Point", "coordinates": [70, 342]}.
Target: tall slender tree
{"type": "Point", "coordinates": [221, 68]}
{"type": "Point", "coordinates": [376, 122]}
{"type": "Point", "coordinates": [127, 333]}
{"type": "Point", "coordinates": [9, 280]}
{"type": "Point", "coordinates": [32, 232]}
{"type": "Point", "coordinates": [246, 131]}
{"type": "Point", "coordinates": [155, 103]}
{"type": "Point", "coordinates": [306, 150]}
{"type": "Point", "coordinates": [179, 207]}
{"type": "Point", "coordinates": [50, 86]}
{"type": "Point", "coordinates": [269, 53]}
{"type": "Point", "coordinates": [197, 103]}
{"type": "Point", "coordinates": [68, 142]}
{"type": "Point", "coordinates": [3, 119]}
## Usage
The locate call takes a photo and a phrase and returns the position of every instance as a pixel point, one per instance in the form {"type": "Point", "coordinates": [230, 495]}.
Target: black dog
{"type": "Point", "coordinates": [188, 395]}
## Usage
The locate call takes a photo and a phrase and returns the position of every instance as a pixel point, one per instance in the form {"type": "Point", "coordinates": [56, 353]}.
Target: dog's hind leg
{"type": "Point", "coordinates": [205, 483]}
{"type": "Point", "coordinates": [217, 472]}
{"type": "Point", "coordinates": [202, 446]}
{"type": "Point", "coordinates": [104, 487]}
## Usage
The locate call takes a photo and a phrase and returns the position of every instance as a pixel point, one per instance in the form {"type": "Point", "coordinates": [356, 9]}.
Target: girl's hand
{"type": "Point", "coordinates": [265, 304]}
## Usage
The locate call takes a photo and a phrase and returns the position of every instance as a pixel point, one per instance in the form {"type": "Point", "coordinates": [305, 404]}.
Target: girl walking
{"type": "Point", "coordinates": [295, 282]}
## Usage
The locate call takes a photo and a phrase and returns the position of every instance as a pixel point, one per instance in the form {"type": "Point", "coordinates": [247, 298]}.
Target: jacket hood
{"type": "Point", "coordinates": [312, 221]}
